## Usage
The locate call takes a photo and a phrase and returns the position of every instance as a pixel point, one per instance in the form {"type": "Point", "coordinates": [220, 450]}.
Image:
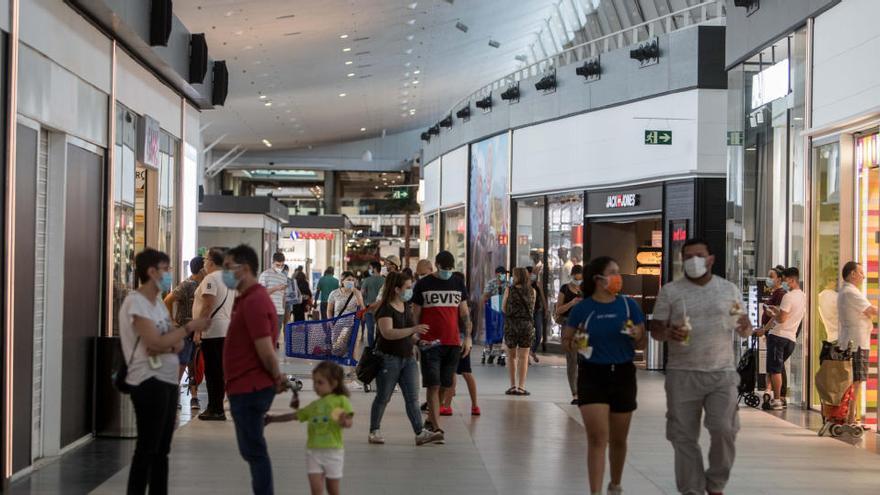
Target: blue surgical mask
{"type": "Point", "coordinates": [444, 274]}
{"type": "Point", "coordinates": [229, 279]}
{"type": "Point", "coordinates": [407, 295]}
{"type": "Point", "coordinates": [165, 282]}
{"type": "Point", "coordinates": [786, 286]}
{"type": "Point", "coordinates": [348, 284]}
{"type": "Point", "coordinates": [502, 277]}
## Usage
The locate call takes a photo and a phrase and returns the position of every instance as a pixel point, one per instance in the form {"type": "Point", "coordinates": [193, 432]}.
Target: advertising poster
{"type": "Point", "coordinates": [489, 221]}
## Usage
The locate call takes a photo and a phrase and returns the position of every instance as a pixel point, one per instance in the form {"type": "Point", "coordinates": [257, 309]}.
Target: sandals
{"type": "Point", "coordinates": [517, 391]}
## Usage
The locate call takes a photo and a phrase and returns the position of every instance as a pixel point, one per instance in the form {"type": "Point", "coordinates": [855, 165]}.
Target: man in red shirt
{"type": "Point", "coordinates": [440, 302]}
{"type": "Point", "coordinates": [249, 362]}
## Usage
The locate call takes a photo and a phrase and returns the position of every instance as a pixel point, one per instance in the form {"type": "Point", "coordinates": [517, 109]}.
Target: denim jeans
{"type": "Point", "coordinates": [248, 413]}
{"type": "Point", "coordinates": [403, 371]}
{"type": "Point", "coordinates": [370, 322]}
{"type": "Point", "coordinates": [539, 329]}
{"type": "Point", "coordinates": [155, 409]}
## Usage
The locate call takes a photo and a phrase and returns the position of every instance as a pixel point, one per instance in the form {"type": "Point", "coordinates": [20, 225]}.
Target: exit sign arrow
{"type": "Point", "coordinates": [658, 137]}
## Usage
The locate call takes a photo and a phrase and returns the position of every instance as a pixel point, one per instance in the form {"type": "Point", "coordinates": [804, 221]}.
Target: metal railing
{"type": "Point", "coordinates": [674, 21]}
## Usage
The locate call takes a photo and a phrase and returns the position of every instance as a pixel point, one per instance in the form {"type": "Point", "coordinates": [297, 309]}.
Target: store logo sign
{"type": "Point", "coordinates": [622, 201]}
{"type": "Point", "coordinates": [679, 235]}
{"type": "Point", "coordinates": [314, 236]}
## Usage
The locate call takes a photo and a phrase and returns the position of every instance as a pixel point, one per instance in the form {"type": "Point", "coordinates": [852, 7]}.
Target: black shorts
{"type": "Point", "coordinates": [779, 349]}
{"type": "Point", "coordinates": [612, 384]}
{"type": "Point", "coordinates": [464, 365]}
{"type": "Point", "coordinates": [439, 364]}
{"type": "Point", "coordinates": [860, 365]}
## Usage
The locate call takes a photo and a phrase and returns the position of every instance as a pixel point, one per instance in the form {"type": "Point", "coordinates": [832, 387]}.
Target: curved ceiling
{"type": "Point", "coordinates": [399, 64]}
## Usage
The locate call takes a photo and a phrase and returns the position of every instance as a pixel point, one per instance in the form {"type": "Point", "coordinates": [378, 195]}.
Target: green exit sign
{"type": "Point", "coordinates": [658, 137]}
{"type": "Point", "coordinates": [400, 193]}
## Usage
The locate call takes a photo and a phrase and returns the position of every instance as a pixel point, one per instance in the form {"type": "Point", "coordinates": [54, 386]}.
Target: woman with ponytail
{"type": "Point", "coordinates": [603, 329]}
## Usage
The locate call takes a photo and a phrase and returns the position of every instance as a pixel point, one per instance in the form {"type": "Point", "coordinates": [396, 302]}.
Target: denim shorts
{"type": "Point", "coordinates": [186, 354]}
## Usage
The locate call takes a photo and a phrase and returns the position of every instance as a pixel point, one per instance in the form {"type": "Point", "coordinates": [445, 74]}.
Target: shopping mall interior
{"type": "Point", "coordinates": [478, 246]}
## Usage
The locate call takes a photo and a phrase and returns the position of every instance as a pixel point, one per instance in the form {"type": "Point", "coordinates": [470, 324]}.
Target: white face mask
{"type": "Point", "coordinates": [695, 267]}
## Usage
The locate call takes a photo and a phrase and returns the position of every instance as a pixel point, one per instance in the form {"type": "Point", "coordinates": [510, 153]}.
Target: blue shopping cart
{"type": "Point", "coordinates": [493, 351]}
{"type": "Point", "coordinates": [333, 339]}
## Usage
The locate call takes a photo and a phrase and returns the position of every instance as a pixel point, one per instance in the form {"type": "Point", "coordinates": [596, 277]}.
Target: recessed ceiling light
{"type": "Point", "coordinates": [405, 93]}
{"type": "Point", "coordinates": [262, 97]}
{"type": "Point", "coordinates": [363, 129]}
{"type": "Point", "coordinates": [407, 64]}
{"type": "Point", "coordinates": [413, 6]}
{"type": "Point", "coordinates": [348, 62]}
{"type": "Point", "coordinates": [411, 22]}
{"type": "Point", "coordinates": [417, 71]}
{"type": "Point", "coordinates": [238, 33]}
{"type": "Point", "coordinates": [406, 84]}
{"type": "Point", "coordinates": [412, 111]}
{"type": "Point", "coordinates": [229, 13]}
{"type": "Point", "coordinates": [416, 81]}
{"type": "Point", "coordinates": [350, 74]}
{"type": "Point", "coordinates": [409, 37]}
{"type": "Point", "coordinates": [267, 143]}
{"type": "Point", "coordinates": [346, 49]}
{"type": "Point", "coordinates": [408, 51]}
{"type": "Point", "coordinates": [343, 36]}
{"type": "Point", "coordinates": [268, 103]}
{"type": "Point", "coordinates": [342, 95]}
{"type": "Point", "coordinates": [404, 102]}
{"type": "Point", "coordinates": [406, 74]}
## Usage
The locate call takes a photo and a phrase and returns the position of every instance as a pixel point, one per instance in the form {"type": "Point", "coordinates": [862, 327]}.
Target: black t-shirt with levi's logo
{"type": "Point", "coordinates": [440, 300]}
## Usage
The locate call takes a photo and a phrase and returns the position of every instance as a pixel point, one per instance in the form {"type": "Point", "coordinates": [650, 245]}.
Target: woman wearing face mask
{"type": "Point", "coordinates": [394, 343]}
{"type": "Point", "coordinates": [569, 296]}
{"type": "Point", "coordinates": [776, 286]}
{"type": "Point", "coordinates": [150, 342]}
{"type": "Point", "coordinates": [519, 328]}
{"type": "Point", "coordinates": [540, 310]}
{"type": "Point", "coordinates": [611, 324]}
{"type": "Point", "coordinates": [345, 299]}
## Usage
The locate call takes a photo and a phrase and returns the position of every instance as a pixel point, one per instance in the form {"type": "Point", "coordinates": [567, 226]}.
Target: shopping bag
{"type": "Point", "coordinates": [832, 380]}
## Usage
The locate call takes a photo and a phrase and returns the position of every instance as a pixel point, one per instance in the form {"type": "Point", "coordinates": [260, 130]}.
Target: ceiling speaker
{"type": "Point", "coordinates": [221, 83]}
{"type": "Point", "coordinates": [161, 13]}
{"type": "Point", "coordinates": [198, 58]}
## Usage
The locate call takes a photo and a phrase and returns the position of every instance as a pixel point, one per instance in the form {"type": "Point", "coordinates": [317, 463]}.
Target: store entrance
{"type": "Point", "coordinates": [637, 245]}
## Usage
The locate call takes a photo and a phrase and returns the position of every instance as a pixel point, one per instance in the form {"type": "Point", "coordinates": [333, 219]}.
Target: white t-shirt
{"type": "Point", "coordinates": [794, 302]}
{"type": "Point", "coordinates": [139, 369]}
{"type": "Point", "coordinates": [213, 285]}
{"type": "Point", "coordinates": [709, 309]}
{"type": "Point", "coordinates": [828, 313]}
{"type": "Point", "coordinates": [854, 324]}
{"type": "Point", "coordinates": [270, 279]}
{"type": "Point", "coordinates": [338, 299]}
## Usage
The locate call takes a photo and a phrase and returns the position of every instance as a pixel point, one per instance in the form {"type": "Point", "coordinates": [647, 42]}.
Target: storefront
{"type": "Point", "coordinates": [227, 221]}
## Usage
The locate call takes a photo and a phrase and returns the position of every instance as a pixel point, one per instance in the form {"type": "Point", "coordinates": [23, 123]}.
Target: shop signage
{"type": "Point", "coordinates": [148, 141]}
{"type": "Point", "coordinates": [400, 193]}
{"type": "Point", "coordinates": [679, 234]}
{"type": "Point", "coordinates": [502, 239]}
{"type": "Point", "coordinates": [622, 200]}
{"type": "Point", "coordinates": [297, 235]}
{"type": "Point", "coordinates": [734, 138]}
{"type": "Point", "coordinates": [658, 137]}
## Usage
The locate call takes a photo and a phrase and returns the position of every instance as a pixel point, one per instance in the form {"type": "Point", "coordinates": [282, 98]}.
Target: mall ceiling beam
{"type": "Point", "coordinates": [218, 163]}
{"type": "Point", "coordinates": [219, 168]}
{"type": "Point", "coordinates": [213, 143]}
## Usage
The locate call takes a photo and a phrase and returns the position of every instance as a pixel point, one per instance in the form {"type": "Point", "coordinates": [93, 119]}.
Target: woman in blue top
{"type": "Point", "coordinates": [604, 329]}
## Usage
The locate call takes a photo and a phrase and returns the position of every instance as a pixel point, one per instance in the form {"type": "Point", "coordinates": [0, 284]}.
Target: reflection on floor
{"type": "Point", "coordinates": [518, 446]}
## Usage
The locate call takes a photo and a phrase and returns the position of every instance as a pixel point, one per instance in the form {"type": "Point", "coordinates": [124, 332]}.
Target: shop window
{"type": "Point", "coordinates": [565, 246]}
{"type": "Point", "coordinates": [454, 232]}
{"type": "Point", "coordinates": [167, 174]}
{"type": "Point", "coordinates": [867, 163]}
{"type": "Point", "coordinates": [530, 234]}
{"type": "Point", "coordinates": [124, 205]}
{"type": "Point", "coordinates": [431, 236]}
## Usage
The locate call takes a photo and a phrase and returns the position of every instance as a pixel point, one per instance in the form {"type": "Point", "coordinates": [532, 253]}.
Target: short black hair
{"type": "Point", "coordinates": [444, 260]}
{"type": "Point", "coordinates": [577, 270]}
{"type": "Point", "coordinates": [376, 265]}
{"type": "Point", "coordinates": [848, 268]}
{"type": "Point", "coordinates": [278, 257]}
{"type": "Point", "coordinates": [216, 254]}
{"type": "Point", "coordinates": [346, 274]}
{"type": "Point", "coordinates": [791, 272]}
{"type": "Point", "coordinates": [245, 255]}
{"type": "Point", "coordinates": [329, 271]}
{"type": "Point", "coordinates": [696, 241]}
{"type": "Point", "coordinates": [196, 264]}
{"type": "Point", "coordinates": [500, 269]}
{"type": "Point", "coordinates": [146, 259]}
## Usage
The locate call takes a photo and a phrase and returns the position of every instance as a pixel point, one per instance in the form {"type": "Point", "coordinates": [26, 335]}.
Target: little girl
{"type": "Point", "coordinates": [326, 416]}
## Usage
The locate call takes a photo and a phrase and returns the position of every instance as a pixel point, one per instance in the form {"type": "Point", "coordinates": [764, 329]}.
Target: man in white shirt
{"type": "Point", "coordinates": [782, 336]}
{"type": "Point", "coordinates": [856, 314]}
{"type": "Point", "coordinates": [213, 301]}
{"type": "Point", "coordinates": [275, 280]}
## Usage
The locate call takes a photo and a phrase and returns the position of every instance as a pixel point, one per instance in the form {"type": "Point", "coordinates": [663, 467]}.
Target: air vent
{"type": "Point", "coordinates": [362, 38]}
{"type": "Point", "coordinates": [288, 16]}
{"type": "Point", "coordinates": [364, 66]}
{"type": "Point", "coordinates": [358, 54]}
{"type": "Point", "coordinates": [297, 33]}
{"type": "Point", "coordinates": [365, 76]}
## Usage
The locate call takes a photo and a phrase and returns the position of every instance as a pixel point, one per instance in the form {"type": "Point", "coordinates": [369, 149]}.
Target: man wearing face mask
{"type": "Point", "coordinates": [495, 288]}
{"type": "Point", "coordinates": [440, 302]}
{"type": "Point", "coordinates": [213, 301]}
{"type": "Point", "coordinates": [782, 336]}
{"type": "Point", "coordinates": [696, 315]}
{"type": "Point", "coordinates": [423, 269]}
{"type": "Point", "coordinates": [372, 288]}
{"type": "Point", "coordinates": [275, 281]}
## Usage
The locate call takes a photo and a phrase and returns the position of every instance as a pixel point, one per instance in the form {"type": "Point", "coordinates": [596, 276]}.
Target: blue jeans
{"type": "Point", "coordinates": [539, 329]}
{"type": "Point", "coordinates": [370, 322]}
{"type": "Point", "coordinates": [403, 371]}
{"type": "Point", "coordinates": [248, 413]}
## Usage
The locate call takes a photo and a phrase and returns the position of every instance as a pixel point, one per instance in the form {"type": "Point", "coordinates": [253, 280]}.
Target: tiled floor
{"type": "Point", "coordinates": [531, 445]}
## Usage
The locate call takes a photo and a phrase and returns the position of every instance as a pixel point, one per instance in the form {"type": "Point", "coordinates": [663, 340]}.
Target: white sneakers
{"type": "Point", "coordinates": [614, 489]}
{"type": "Point", "coordinates": [376, 438]}
{"type": "Point", "coordinates": [777, 404]}
{"type": "Point", "coordinates": [427, 436]}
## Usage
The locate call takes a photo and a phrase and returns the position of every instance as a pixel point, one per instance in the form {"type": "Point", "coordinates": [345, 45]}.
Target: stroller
{"type": "Point", "coordinates": [494, 336]}
{"type": "Point", "coordinates": [748, 374]}
{"type": "Point", "coordinates": [835, 386]}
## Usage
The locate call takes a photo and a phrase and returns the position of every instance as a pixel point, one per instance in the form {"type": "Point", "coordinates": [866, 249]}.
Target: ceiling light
{"type": "Point", "coordinates": [447, 122]}
{"type": "Point", "coordinates": [342, 95]}
{"type": "Point", "coordinates": [343, 36]}
{"type": "Point", "coordinates": [412, 111]}
{"type": "Point", "coordinates": [229, 13]}
{"type": "Point", "coordinates": [406, 84]}
{"type": "Point", "coordinates": [405, 93]}
{"type": "Point", "coordinates": [404, 102]}
{"type": "Point", "coordinates": [262, 97]}
{"type": "Point", "coordinates": [547, 83]}
{"type": "Point", "coordinates": [408, 51]}
{"type": "Point", "coordinates": [511, 93]}
{"type": "Point", "coordinates": [406, 74]}
{"type": "Point", "coordinates": [413, 6]}
{"type": "Point", "coordinates": [464, 113]}
{"type": "Point", "coordinates": [416, 81]}
{"type": "Point", "coordinates": [363, 129]}
{"type": "Point", "coordinates": [350, 74]}
{"type": "Point", "coordinates": [238, 33]}
{"type": "Point", "coordinates": [407, 64]}
{"type": "Point", "coordinates": [494, 44]}
{"type": "Point", "coordinates": [409, 37]}
{"type": "Point", "coordinates": [411, 22]}
{"type": "Point", "coordinates": [346, 49]}
{"type": "Point", "coordinates": [267, 143]}
{"type": "Point", "coordinates": [268, 104]}
{"type": "Point", "coordinates": [461, 26]}
{"type": "Point", "coordinates": [417, 72]}
{"type": "Point", "coordinates": [348, 62]}
{"type": "Point", "coordinates": [485, 103]}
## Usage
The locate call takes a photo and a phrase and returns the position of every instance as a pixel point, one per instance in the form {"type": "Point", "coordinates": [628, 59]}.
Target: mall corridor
{"type": "Point", "coordinates": [519, 446]}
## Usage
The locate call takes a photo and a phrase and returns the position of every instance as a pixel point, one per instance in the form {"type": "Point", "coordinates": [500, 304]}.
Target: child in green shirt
{"type": "Point", "coordinates": [327, 416]}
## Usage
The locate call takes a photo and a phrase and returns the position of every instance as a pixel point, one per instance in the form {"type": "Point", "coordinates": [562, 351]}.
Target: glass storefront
{"type": "Point", "coordinates": [530, 232]}
{"type": "Point", "coordinates": [167, 180]}
{"type": "Point", "coordinates": [430, 231]}
{"type": "Point", "coordinates": [124, 205]}
{"type": "Point", "coordinates": [565, 246]}
{"type": "Point", "coordinates": [454, 235]}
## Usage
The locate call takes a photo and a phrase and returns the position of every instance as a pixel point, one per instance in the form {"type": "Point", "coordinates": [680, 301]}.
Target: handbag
{"type": "Point", "coordinates": [369, 366]}
{"type": "Point", "coordinates": [121, 372]}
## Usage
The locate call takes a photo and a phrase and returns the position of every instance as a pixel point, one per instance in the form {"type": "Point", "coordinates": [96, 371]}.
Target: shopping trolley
{"type": "Point", "coordinates": [835, 387]}
{"type": "Point", "coordinates": [748, 374]}
{"type": "Point", "coordinates": [333, 339]}
{"type": "Point", "coordinates": [493, 351]}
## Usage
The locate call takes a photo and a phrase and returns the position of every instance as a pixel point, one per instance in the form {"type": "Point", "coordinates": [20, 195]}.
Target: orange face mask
{"type": "Point", "coordinates": [614, 283]}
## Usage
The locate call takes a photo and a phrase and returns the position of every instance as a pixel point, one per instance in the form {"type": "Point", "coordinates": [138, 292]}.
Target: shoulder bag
{"type": "Point", "coordinates": [121, 372]}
